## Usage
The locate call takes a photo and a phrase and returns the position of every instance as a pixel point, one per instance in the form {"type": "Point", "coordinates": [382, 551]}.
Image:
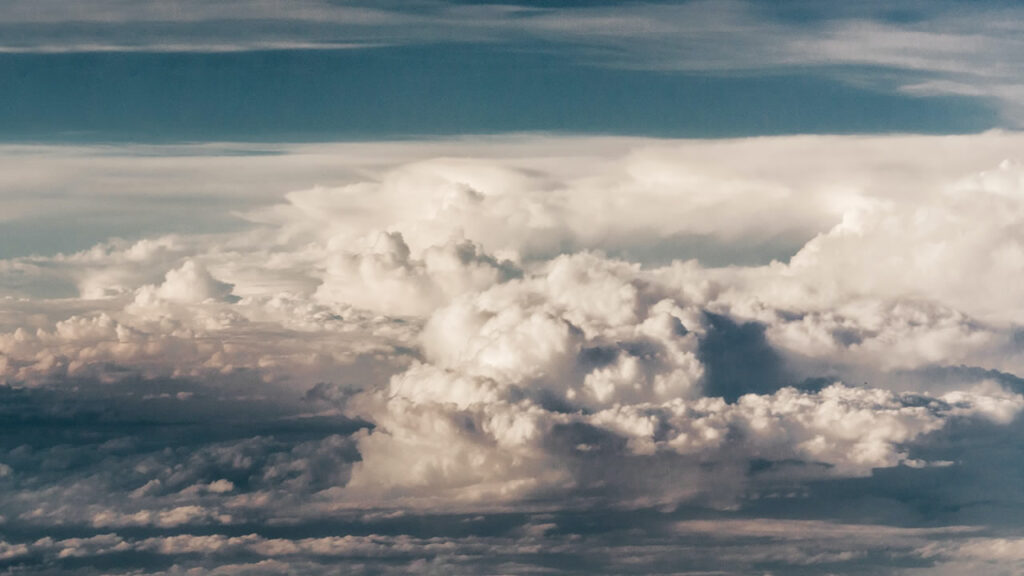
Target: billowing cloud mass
{"type": "Point", "coordinates": [530, 354]}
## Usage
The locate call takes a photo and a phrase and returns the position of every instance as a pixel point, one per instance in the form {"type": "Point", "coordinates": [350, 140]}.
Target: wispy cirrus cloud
{"type": "Point", "coordinates": [940, 49]}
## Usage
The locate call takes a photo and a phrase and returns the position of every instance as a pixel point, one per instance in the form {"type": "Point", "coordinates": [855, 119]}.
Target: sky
{"type": "Point", "coordinates": [443, 287]}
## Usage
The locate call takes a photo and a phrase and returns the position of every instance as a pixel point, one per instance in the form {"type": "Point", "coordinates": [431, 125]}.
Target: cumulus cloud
{"type": "Point", "coordinates": [478, 329]}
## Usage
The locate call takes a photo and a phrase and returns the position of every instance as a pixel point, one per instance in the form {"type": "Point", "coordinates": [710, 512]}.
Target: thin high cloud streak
{"type": "Point", "coordinates": [945, 48]}
{"type": "Point", "coordinates": [478, 355]}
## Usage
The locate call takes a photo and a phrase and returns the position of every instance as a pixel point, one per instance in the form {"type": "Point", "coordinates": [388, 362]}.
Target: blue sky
{"type": "Point", "coordinates": [312, 70]}
{"type": "Point", "coordinates": [439, 287]}
{"type": "Point", "coordinates": [434, 90]}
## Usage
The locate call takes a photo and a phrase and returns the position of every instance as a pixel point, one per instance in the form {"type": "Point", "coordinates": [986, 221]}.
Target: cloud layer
{"type": "Point", "coordinates": [456, 356]}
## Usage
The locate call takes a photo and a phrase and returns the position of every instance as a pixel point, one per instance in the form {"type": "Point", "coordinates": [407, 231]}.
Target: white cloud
{"type": "Point", "coordinates": [506, 328]}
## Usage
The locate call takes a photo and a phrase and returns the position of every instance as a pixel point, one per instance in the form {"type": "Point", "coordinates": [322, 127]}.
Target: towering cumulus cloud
{"type": "Point", "coordinates": [791, 355]}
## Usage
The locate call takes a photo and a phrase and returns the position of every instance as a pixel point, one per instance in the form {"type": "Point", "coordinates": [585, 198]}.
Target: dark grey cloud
{"type": "Point", "coordinates": [739, 360]}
